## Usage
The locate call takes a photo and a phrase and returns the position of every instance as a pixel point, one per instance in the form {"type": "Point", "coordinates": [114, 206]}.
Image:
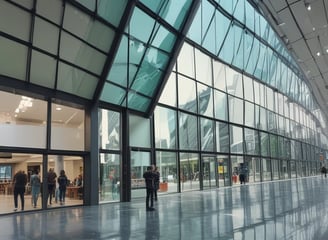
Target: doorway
{"type": "Point", "coordinates": [209, 172]}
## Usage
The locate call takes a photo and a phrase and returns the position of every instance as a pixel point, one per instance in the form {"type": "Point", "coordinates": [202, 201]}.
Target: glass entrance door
{"type": "Point", "coordinates": [139, 163]}
{"type": "Point", "coordinates": [209, 172]}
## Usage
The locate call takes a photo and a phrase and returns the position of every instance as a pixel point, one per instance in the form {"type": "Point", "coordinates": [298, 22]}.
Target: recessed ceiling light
{"type": "Point", "coordinates": [58, 108]}
{"type": "Point", "coordinates": [318, 54]}
{"type": "Point", "coordinates": [308, 6]}
{"type": "Point", "coordinates": [313, 28]}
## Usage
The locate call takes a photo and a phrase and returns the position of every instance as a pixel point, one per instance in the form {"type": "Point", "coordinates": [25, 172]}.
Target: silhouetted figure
{"type": "Point", "coordinates": [51, 184]}
{"type": "Point", "coordinates": [20, 181]}
{"type": "Point", "coordinates": [149, 180]}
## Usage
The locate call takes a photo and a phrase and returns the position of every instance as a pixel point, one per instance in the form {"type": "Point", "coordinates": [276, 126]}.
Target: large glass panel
{"type": "Point", "coordinates": [165, 128]}
{"type": "Point", "coordinates": [275, 169]}
{"type": "Point", "coordinates": [75, 81]}
{"type": "Point", "coordinates": [205, 100]}
{"type": "Point", "coordinates": [188, 138]}
{"type": "Point", "coordinates": [236, 163]}
{"type": "Point", "coordinates": [111, 10]}
{"type": "Point", "coordinates": [29, 166]}
{"type": "Point", "coordinates": [140, 18]}
{"type": "Point", "coordinates": [60, 167]}
{"type": "Point", "coordinates": [222, 137]}
{"type": "Point", "coordinates": [22, 121]}
{"type": "Point", "coordinates": [253, 169]}
{"type": "Point", "coordinates": [169, 94]}
{"type": "Point", "coordinates": [149, 73]}
{"type": "Point", "coordinates": [284, 172]}
{"type": "Point", "coordinates": [139, 131]}
{"type": "Point", "coordinates": [67, 128]}
{"type": "Point", "coordinates": [186, 61]}
{"type": "Point", "coordinates": [168, 169]}
{"type": "Point", "coordinates": [263, 119]}
{"type": "Point", "coordinates": [248, 89]}
{"type": "Point", "coordinates": [219, 76]}
{"type": "Point", "coordinates": [45, 35]}
{"type": "Point", "coordinates": [223, 170]}
{"type": "Point", "coordinates": [265, 151]}
{"type": "Point", "coordinates": [77, 52]}
{"type": "Point", "coordinates": [207, 134]}
{"type": "Point", "coordinates": [251, 142]}
{"type": "Point", "coordinates": [43, 70]}
{"type": "Point", "coordinates": [270, 98]}
{"type": "Point", "coordinates": [249, 114]}
{"type": "Point", "coordinates": [266, 169]}
{"type": "Point", "coordinates": [139, 163]}
{"type": "Point", "coordinates": [222, 24]}
{"type": "Point", "coordinates": [220, 105]}
{"type": "Point", "coordinates": [209, 172]}
{"type": "Point", "coordinates": [90, 30]}
{"type": "Point", "coordinates": [187, 94]}
{"type": "Point", "coordinates": [171, 11]}
{"type": "Point", "coordinates": [113, 94]}
{"type": "Point", "coordinates": [236, 110]}
{"type": "Point", "coordinates": [203, 68]}
{"type": "Point", "coordinates": [109, 129]}
{"type": "Point", "coordinates": [13, 58]}
{"type": "Point", "coordinates": [231, 44]}
{"type": "Point", "coordinates": [236, 139]}
{"type": "Point", "coordinates": [189, 171]}
{"type": "Point", "coordinates": [137, 102]}
{"type": "Point", "coordinates": [52, 10]}
{"type": "Point", "coordinates": [273, 146]}
{"type": "Point", "coordinates": [109, 177]}
{"type": "Point", "coordinates": [272, 121]}
{"type": "Point", "coordinates": [14, 21]}
{"type": "Point", "coordinates": [234, 83]}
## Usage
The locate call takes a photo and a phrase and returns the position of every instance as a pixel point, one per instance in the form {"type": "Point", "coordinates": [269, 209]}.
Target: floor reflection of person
{"type": "Point", "coordinates": [19, 181]}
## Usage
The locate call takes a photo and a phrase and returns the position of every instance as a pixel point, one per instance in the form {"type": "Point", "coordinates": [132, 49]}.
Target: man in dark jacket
{"type": "Point", "coordinates": [149, 180]}
{"type": "Point", "coordinates": [20, 181]}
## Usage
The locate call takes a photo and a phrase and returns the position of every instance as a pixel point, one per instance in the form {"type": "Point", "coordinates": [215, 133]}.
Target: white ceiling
{"type": "Point", "coordinates": [305, 33]}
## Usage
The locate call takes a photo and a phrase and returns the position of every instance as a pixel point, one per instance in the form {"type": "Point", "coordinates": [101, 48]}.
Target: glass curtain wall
{"type": "Point", "coordinates": [231, 114]}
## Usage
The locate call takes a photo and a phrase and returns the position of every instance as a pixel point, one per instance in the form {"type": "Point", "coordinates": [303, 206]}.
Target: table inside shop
{"type": "Point", "coordinates": [73, 192]}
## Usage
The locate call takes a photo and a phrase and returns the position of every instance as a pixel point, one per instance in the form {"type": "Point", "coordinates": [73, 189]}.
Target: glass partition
{"type": "Point", "coordinates": [109, 177]}
{"type": "Point", "coordinates": [20, 118]}
{"type": "Point", "coordinates": [67, 128]}
{"type": "Point", "coordinates": [139, 162]}
{"type": "Point", "coordinates": [60, 166]}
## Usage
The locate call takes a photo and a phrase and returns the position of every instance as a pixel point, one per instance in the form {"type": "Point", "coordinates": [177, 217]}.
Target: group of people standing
{"type": "Point", "coordinates": [20, 181]}
{"type": "Point", "coordinates": [152, 178]}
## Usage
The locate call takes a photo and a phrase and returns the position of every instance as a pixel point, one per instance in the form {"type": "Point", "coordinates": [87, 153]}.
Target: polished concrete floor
{"type": "Point", "coordinates": [292, 209]}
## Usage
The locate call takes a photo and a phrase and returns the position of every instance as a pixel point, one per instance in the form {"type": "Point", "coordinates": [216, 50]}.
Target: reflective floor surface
{"type": "Point", "coordinates": [291, 209]}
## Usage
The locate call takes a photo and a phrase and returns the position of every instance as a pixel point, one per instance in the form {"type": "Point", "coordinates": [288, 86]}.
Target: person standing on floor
{"type": "Point", "coordinates": [149, 181]}
{"type": "Point", "coordinates": [156, 181]}
{"type": "Point", "coordinates": [51, 184]}
{"type": "Point", "coordinates": [62, 181]}
{"type": "Point", "coordinates": [19, 181]}
{"type": "Point", "coordinates": [35, 187]}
